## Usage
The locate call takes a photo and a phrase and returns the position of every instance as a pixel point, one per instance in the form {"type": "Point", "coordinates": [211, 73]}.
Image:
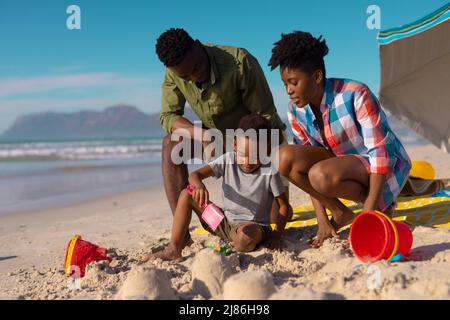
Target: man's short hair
{"type": "Point", "coordinates": [172, 46]}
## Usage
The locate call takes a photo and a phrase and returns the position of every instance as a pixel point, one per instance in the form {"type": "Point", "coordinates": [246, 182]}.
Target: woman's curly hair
{"type": "Point", "coordinates": [172, 45]}
{"type": "Point", "coordinates": [301, 50]}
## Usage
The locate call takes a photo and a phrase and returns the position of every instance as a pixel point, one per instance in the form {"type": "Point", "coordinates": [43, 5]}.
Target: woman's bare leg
{"type": "Point", "coordinates": [297, 162]}
{"type": "Point", "coordinates": [341, 177]}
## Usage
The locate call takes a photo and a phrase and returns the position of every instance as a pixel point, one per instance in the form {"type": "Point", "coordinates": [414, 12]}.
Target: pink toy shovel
{"type": "Point", "coordinates": [212, 215]}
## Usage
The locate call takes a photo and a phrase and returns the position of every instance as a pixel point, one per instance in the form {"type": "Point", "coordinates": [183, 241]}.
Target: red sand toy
{"type": "Point", "coordinates": [80, 253]}
{"type": "Point", "coordinates": [212, 215]}
{"type": "Point", "coordinates": [374, 236]}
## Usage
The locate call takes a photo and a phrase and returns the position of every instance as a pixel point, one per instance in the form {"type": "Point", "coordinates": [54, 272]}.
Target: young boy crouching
{"type": "Point", "coordinates": [248, 188]}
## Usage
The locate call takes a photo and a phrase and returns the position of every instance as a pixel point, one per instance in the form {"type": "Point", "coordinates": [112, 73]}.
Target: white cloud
{"type": "Point", "coordinates": [11, 87]}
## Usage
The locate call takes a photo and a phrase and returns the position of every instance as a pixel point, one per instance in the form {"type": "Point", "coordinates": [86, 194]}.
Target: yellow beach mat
{"type": "Point", "coordinates": [427, 211]}
{"type": "Point", "coordinates": [430, 211]}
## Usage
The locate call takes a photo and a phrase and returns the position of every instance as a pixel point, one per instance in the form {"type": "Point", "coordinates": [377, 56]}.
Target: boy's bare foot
{"type": "Point", "coordinates": [187, 243]}
{"type": "Point", "coordinates": [325, 231]}
{"type": "Point", "coordinates": [341, 218]}
{"type": "Point", "coordinates": [168, 254]}
{"type": "Point", "coordinates": [188, 240]}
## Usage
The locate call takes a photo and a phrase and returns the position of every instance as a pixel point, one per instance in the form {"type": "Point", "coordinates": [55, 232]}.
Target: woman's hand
{"type": "Point", "coordinates": [325, 231]}
{"type": "Point", "coordinates": [200, 195]}
{"type": "Point", "coordinates": [368, 207]}
{"type": "Point", "coordinates": [376, 186]}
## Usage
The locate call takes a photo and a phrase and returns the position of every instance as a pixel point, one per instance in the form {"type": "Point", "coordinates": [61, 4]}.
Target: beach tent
{"type": "Point", "coordinates": [415, 75]}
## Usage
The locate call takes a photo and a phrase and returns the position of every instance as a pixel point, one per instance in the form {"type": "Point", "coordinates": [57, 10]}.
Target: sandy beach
{"type": "Point", "coordinates": [33, 245]}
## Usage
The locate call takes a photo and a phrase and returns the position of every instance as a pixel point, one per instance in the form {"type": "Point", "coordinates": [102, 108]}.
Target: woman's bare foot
{"type": "Point", "coordinates": [341, 218]}
{"type": "Point", "coordinates": [168, 254]}
{"type": "Point", "coordinates": [326, 231]}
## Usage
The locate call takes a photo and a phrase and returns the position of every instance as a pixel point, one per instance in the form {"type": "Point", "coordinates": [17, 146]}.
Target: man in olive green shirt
{"type": "Point", "coordinates": [221, 84]}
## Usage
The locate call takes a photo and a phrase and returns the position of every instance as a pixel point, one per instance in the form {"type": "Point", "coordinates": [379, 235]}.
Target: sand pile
{"type": "Point", "coordinates": [146, 283]}
{"type": "Point", "coordinates": [209, 270]}
{"type": "Point", "coordinates": [251, 285]}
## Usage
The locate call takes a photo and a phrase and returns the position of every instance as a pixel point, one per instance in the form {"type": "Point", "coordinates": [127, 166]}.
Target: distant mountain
{"type": "Point", "coordinates": [120, 121]}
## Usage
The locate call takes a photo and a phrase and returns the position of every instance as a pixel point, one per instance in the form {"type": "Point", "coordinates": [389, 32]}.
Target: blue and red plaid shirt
{"type": "Point", "coordinates": [355, 124]}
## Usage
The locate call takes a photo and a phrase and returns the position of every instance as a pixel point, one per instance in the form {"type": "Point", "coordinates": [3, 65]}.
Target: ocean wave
{"type": "Point", "coordinates": [81, 150]}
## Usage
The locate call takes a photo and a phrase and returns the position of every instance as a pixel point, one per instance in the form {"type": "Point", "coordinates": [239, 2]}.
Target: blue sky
{"type": "Point", "coordinates": [46, 67]}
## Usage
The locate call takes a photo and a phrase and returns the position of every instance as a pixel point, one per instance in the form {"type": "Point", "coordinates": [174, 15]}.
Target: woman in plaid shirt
{"type": "Point", "coordinates": [344, 146]}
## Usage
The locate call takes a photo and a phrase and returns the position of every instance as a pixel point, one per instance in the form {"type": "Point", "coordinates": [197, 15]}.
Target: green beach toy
{"type": "Point", "coordinates": [223, 249]}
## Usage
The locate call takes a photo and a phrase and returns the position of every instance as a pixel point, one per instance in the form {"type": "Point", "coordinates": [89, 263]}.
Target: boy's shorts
{"type": "Point", "coordinates": [227, 230]}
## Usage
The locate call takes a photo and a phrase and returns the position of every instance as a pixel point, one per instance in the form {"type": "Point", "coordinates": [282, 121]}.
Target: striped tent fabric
{"type": "Point", "coordinates": [415, 75]}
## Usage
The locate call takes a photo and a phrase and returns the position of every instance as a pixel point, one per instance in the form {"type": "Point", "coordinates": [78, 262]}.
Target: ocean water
{"type": "Point", "coordinates": [46, 174]}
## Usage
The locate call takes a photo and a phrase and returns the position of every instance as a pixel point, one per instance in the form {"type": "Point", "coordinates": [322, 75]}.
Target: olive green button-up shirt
{"type": "Point", "coordinates": [236, 87]}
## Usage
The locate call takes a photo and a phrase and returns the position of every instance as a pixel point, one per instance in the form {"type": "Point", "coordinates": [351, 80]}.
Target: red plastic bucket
{"type": "Point", "coordinates": [80, 253]}
{"type": "Point", "coordinates": [374, 236]}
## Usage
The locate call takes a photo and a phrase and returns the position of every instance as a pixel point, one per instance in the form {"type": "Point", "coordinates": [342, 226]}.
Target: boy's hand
{"type": "Point", "coordinates": [200, 195]}
{"type": "Point", "coordinates": [275, 241]}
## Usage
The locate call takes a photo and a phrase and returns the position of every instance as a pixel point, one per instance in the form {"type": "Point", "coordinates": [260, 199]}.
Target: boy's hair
{"type": "Point", "coordinates": [172, 45]}
{"type": "Point", "coordinates": [300, 50]}
{"type": "Point", "coordinates": [256, 122]}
